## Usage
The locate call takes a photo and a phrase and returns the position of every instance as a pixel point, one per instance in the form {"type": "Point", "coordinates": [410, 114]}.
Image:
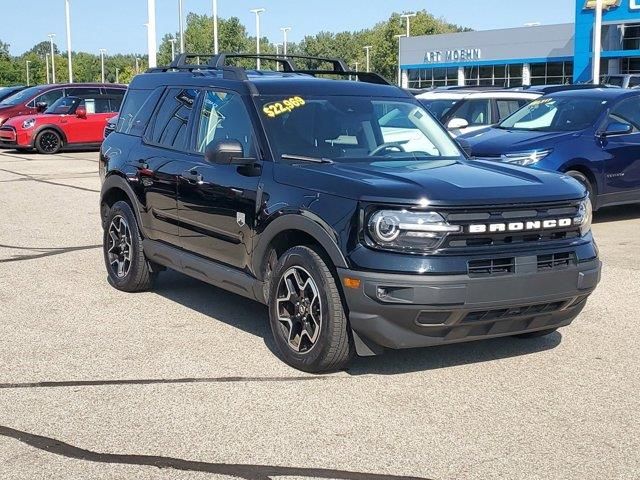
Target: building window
{"type": "Point", "coordinates": [433, 77]}
{"type": "Point", "coordinates": [494, 75]}
{"type": "Point", "coordinates": [551, 73]}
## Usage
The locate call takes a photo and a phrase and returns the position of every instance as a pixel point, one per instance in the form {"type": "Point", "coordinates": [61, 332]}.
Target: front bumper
{"type": "Point", "coordinates": [406, 311]}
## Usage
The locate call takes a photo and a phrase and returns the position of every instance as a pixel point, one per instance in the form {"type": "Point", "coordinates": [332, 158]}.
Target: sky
{"type": "Point", "coordinates": [118, 25]}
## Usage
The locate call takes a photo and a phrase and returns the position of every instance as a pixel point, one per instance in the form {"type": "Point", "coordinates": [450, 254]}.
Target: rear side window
{"type": "Point", "coordinates": [476, 112]}
{"type": "Point", "coordinates": [136, 111]}
{"type": "Point", "coordinates": [172, 117]}
{"type": "Point", "coordinates": [83, 92]}
{"type": "Point", "coordinates": [508, 106]}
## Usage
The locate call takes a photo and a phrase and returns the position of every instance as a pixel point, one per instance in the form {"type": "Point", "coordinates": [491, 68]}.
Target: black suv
{"type": "Point", "coordinates": [342, 205]}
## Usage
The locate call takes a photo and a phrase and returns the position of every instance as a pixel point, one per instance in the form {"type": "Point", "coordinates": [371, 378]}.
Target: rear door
{"type": "Point", "coordinates": [217, 203]}
{"type": "Point", "coordinates": [622, 164]}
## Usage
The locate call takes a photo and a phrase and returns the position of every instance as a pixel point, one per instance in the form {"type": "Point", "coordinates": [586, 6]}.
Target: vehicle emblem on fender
{"type": "Point", "coordinates": [240, 218]}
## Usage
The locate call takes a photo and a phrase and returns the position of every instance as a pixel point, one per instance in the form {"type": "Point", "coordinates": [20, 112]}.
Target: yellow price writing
{"type": "Point", "coordinates": [274, 109]}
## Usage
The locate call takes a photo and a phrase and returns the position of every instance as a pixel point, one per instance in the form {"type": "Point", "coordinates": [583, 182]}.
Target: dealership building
{"type": "Point", "coordinates": [530, 55]}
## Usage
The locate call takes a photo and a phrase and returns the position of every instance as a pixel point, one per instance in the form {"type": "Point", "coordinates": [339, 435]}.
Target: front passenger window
{"type": "Point", "coordinates": [49, 97]}
{"type": "Point", "coordinates": [223, 116]}
{"type": "Point", "coordinates": [628, 112]}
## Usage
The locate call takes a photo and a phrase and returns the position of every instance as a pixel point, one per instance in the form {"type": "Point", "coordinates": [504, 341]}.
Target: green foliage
{"type": "Point", "coordinates": [233, 37]}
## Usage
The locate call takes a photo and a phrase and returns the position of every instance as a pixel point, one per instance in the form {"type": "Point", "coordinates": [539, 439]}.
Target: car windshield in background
{"type": "Point", "coordinates": [614, 81]}
{"type": "Point", "coordinates": [344, 128]}
{"type": "Point", "coordinates": [439, 108]}
{"type": "Point", "coordinates": [556, 114]}
{"type": "Point", "coordinates": [63, 106]}
{"type": "Point", "coordinates": [23, 96]}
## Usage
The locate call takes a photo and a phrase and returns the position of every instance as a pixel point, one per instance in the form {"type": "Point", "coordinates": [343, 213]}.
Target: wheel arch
{"type": "Point", "coordinates": [49, 126]}
{"type": "Point", "coordinates": [114, 189]}
{"type": "Point", "coordinates": [587, 172]}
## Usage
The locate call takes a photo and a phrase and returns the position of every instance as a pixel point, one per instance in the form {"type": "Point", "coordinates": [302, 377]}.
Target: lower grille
{"type": "Point", "coordinates": [492, 266]}
{"type": "Point", "coordinates": [499, 314]}
{"type": "Point", "coordinates": [555, 260]}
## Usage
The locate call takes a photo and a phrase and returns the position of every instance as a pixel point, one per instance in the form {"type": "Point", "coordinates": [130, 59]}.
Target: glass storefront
{"type": "Point", "coordinates": [494, 75]}
{"type": "Point", "coordinates": [552, 73]}
{"type": "Point", "coordinates": [433, 77]}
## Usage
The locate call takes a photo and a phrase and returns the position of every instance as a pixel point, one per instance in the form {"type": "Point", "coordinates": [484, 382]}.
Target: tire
{"type": "Point", "coordinates": [538, 334]}
{"type": "Point", "coordinates": [313, 336]}
{"type": "Point", "coordinates": [127, 266]}
{"type": "Point", "coordinates": [585, 182]}
{"type": "Point", "coordinates": [48, 142]}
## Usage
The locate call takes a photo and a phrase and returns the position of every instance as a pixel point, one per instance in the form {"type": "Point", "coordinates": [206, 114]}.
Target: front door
{"type": "Point", "coordinates": [217, 203]}
{"type": "Point", "coordinates": [622, 162]}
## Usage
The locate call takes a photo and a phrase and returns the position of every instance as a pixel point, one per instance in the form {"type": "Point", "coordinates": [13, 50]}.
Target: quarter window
{"type": "Point", "coordinates": [170, 127]}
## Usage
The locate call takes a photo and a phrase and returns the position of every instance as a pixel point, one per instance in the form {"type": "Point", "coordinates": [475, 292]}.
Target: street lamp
{"type": "Point", "coordinates": [53, 58]}
{"type": "Point", "coordinates": [28, 81]}
{"type": "Point", "coordinates": [399, 67]}
{"type": "Point", "coordinates": [181, 20]}
{"type": "Point", "coordinates": [117, 75]}
{"type": "Point", "coordinates": [407, 16]}
{"type": "Point", "coordinates": [152, 46]}
{"type": "Point", "coordinates": [68, 22]}
{"type": "Point", "coordinates": [173, 41]}
{"type": "Point", "coordinates": [368, 50]}
{"type": "Point", "coordinates": [257, 12]}
{"type": "Point", "coordinates": [102, 52]}
{"type": "Point", "coordinates": [597, 42]}
{"type": "Point", "coordinates": [137, 65]}
{"type": "Point", "coordinates": [285, 30]}
{"type": "Point", "coordinates": [46, 59]}
{"type": "Point", "coordinates": [215, 26]}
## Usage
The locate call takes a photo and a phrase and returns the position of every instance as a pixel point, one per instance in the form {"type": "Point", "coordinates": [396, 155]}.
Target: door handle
{"type": "Point", "coordinates": [192, 176]}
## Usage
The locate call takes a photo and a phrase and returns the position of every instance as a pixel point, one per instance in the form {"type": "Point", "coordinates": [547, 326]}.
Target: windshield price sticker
{"type": "Point", "coordinates": [274, 109]}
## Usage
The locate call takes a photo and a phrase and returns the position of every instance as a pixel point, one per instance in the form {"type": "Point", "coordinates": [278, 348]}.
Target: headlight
{"type": "Point", "coordinates": [526, 158]}
{"type": "Point", "coordinates": [584, 217]}
{"type": "Point", "coordinates": [406, 230]}
{"type": "Point", "coordinates": [29, 123]}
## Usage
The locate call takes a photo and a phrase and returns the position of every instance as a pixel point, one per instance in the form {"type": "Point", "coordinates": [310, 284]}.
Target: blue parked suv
{"type": "Point", "coordinates": [592, 135]}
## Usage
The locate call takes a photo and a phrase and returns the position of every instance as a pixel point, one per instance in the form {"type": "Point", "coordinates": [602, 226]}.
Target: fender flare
{"type": "Point", "coordinates": [116, 181]}
{"type": "Point", "coordinates": [306, 223]}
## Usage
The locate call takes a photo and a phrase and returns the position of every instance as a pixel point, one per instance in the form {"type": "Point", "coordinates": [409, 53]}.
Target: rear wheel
{"type": "Point", "coordinates": [582, 178]}
{"type": "Point", "coordinates": [48, 141]}
{"type": "Point", "coordinates": [307, 319]}
{"type": "Point", "coordinates": [127, 266]}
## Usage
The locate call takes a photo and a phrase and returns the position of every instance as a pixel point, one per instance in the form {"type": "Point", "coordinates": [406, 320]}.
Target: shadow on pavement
{"type": "Point", "coordinates": [252, 317]}
{"type": "Point", "coordinates": [616, 214]}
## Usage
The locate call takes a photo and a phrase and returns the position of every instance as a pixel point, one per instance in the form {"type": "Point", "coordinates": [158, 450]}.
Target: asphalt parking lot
{"type": "Point", "coordinates": [95, 383]}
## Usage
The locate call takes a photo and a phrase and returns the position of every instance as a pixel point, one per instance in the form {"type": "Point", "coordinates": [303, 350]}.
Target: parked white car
{"type": "Point", "coordinates": [464, 111]}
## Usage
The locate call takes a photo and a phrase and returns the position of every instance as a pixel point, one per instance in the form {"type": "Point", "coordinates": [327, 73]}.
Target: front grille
{"type": "Point", "coordinates": [492, 266]}
{"type": "Point", "coordinates": [523, 214]}
{"type": "Point", "coordinates": [499, 314]}
{"type": "Point", "coordinates": [555, 261]}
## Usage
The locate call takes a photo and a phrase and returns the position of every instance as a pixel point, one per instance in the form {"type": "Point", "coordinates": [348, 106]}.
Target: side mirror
{"type": "Point", "coordinates": [41, 106]}
{"type": "Point", "coordinates": [81, 112]}
{"type": "Point", "coordinates": [226, 152]}
{"type": "Point", "coordinates": [457, 124]}
{"type": "Point", "coordinates": [617, 128]}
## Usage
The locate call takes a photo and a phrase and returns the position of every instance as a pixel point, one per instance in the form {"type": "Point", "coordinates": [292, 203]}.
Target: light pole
{"type": "Point", "coordinates": [137, 65]}
{"type": "Point", "coordinates": [117, 75]}
{"type": "Point", "coordinates": [597, 42]}
{"type": "Point", "coordinates": [399, 67]}
{"type": "Point", "coordinates": [152, 46]}
{"type": "Point", "coordinates": [181, 20]}
{"type": "Point", "coordinates": [46, 59]}
{"type": "Point", "coordinates": [53, 58]}
{"type": "Point", "coordinates": [215, 26]}
{"type": "Point", "coordinates": [357, 66]}
{"type": "Point", "coordinates": [102, 52]}
{"type": "Point", "coordinates": [285, 30]}
{"type": "Point", "coordinates": [257, 12]}
{"type": "Point", "coordinates": [368, 50]}
{"type": "Point", "coordinates": [28, 81]}
{"type": "Point", "coordinates": [68, 21]}
{"type": "Point", "coordinates": [408, 16]}
{"type": "Point", "coordinates": [173, 41]}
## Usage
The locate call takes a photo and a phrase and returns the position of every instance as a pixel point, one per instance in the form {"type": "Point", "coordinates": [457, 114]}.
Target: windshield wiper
{"type": "Point", "coordinates": [302, 158]}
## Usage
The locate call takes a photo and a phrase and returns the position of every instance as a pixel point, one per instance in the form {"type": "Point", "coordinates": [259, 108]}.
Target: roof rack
{"type": "Point", "coordinates": [219, 62]}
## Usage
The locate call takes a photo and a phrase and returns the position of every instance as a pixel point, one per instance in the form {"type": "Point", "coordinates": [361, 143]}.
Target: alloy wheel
{"type": "Point", "coordinates": [49, 142]}
{"type": "Point", "coordinates": [299, 309]}
{"type": "Point", "coordinates": [119, 247]}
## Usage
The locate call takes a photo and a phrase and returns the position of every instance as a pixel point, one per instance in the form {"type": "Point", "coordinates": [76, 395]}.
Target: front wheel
{"type": "Point", "coordinates": [48, 142]}
{"type": "Point", "coordinates": [127, 266]}
{"type": "Point", "coordinates": [307, 319]}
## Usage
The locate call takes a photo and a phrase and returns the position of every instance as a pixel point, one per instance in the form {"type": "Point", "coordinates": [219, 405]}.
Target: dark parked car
{"type": "Point", "coordinates": [285, 188]}
{"type": "Point", "coordinates": [34, 100]}
{"type": "Point", "coordinates": [6, 92]}
{"type": "Point", "coordinates": [592, 135]}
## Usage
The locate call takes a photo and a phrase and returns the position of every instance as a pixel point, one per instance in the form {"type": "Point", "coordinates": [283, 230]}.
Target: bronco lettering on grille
{"type": "Point", "coordinates": [524, 226]}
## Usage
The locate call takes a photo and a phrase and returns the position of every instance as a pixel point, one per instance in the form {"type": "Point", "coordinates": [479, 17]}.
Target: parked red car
{"type": "Point", "coordinates": [71, 122]}
{"type": "Point", "coordinates": [34, 100]}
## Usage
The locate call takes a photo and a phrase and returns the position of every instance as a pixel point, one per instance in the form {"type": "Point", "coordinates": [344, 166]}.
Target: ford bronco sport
{"type": "Point", "coordinates": [287, 187]}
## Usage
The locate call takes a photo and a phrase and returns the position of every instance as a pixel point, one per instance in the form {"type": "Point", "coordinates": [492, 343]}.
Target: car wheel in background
{"type": "Point", "coordinates": [307, 318]}
{"type": "Point", "coordinates": [48, 141]}
{"type": "Point", "coordinates": [127, 265]}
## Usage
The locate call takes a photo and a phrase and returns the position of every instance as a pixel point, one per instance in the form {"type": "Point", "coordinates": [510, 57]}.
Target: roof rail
{"type": "Point", "coordinates": [219, 62]}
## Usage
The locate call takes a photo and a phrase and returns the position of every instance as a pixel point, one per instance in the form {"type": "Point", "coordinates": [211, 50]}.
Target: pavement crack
{"type": "Point", "coordinates": [48, 182]}
{"type": "Point", "coordinates": [244, 471]}
{"type": "Point", "coordinates": [44, 252]}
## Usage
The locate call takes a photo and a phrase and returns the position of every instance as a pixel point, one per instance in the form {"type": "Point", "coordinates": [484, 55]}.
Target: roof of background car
{"type": "Point", "coordinates": [604, 93]}
{"type": "Point", "coordinates": [267, 83]}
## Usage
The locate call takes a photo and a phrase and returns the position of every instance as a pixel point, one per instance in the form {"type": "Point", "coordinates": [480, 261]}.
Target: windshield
{"type": "Point", "coordinates": [614, 81]}
{"type": "Point", "coordinates": [63, 106]}
{"type": "Point", "coordinates": [556, 114]}
{"type": "Point", "coordinates": [23, 96]}
{"type": "Point", "coordinates": [439, 108]}
{"type": "Point", "coordinates": [345, 128]}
